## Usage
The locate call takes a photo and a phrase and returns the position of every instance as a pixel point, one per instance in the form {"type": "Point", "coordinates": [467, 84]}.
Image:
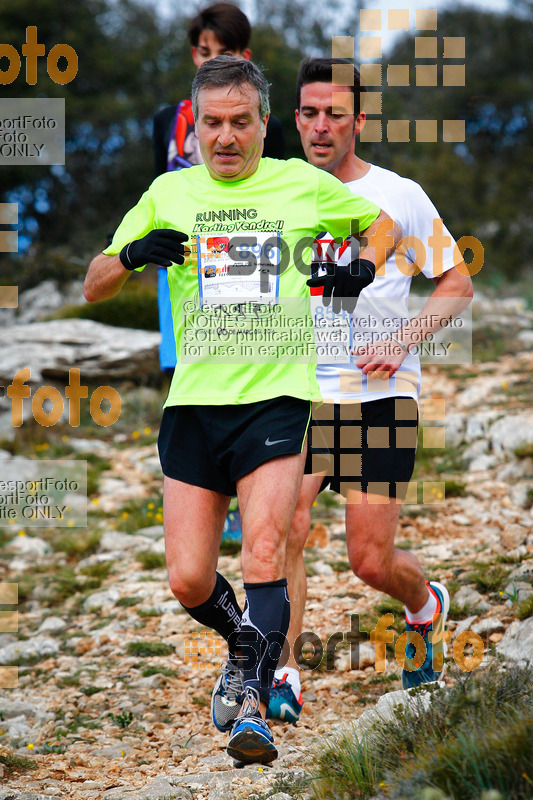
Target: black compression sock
{"type": "Point", "coordinates": [222, 613]}
{"type": "Point", "coordinates": [265, 622]}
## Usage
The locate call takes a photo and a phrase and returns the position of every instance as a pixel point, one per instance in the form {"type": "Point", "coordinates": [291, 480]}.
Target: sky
{"type": "Point", "coordinates": [388, 37]}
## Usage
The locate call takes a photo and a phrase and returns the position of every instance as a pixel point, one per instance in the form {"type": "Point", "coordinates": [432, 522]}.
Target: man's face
{"type": "Point", "coordinates": [209, 46]}
{"type": "Point", "coordinates": [230, 131]}
{"type": "Point", "coordinates": [327, 137]}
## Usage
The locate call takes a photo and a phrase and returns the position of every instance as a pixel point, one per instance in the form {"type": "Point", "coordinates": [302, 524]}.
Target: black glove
{"type": "Point", "coordinates": [162, 246]}
{"type": "Point", "coordinates": [348, 282]}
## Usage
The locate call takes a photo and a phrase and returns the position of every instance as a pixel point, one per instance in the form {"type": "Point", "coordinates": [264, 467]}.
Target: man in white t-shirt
{"type": "Point", "coordinates": [369, 417]}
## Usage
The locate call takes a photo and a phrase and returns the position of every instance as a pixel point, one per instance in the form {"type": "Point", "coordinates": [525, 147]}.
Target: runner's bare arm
{"type": "Point", "coordinates": [107, 274]}
{"type": "Point", "coordinates": [105, 278]}
{"type": "Point", "coordinates": [452, 294]}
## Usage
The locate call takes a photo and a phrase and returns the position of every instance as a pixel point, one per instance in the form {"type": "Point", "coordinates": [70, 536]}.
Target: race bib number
{"type": "Point", "coordinates": [333, 333]}
{"type": "Point", "coordinates": [238, 267]}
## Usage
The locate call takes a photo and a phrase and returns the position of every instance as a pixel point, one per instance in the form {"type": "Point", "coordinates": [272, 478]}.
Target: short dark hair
{"type": "Point", "coordinates": [229, 24]}
{"type": "Point", "coordinates": [230, 71]}
{"type": "Point", "coordinates": [320, 70]}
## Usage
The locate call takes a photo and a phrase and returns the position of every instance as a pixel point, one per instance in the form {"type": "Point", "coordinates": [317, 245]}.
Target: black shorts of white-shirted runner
{"type": "Point", "coordinates": [372, 446]}
{"type": "Point", "coordinates": [213, 446]}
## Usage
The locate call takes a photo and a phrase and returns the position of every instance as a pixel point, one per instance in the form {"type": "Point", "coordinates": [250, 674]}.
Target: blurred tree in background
{"type": "Point", "coordinates": [482, 187]}
{"type": "Point", "coordinates": [132, 61]}
{"type": "Point", "coordinates": [124, 62]}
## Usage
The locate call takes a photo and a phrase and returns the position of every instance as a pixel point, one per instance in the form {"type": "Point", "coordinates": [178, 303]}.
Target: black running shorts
{"type": "Point", "coordinates": [372, 445]}
{"type": "Point", "coordinates": [214, 446]}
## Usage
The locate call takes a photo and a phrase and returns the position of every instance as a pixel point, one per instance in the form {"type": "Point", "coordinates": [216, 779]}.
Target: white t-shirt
{"type": "Point", "coordinates": [382, 308]}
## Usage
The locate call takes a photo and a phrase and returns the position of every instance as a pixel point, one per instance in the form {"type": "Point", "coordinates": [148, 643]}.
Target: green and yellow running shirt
{"type": "Point", "coordinates": [240, 303]}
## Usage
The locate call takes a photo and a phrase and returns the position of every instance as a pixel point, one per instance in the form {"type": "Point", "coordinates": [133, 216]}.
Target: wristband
{"type": "Point", "coordinates": [124, 258]}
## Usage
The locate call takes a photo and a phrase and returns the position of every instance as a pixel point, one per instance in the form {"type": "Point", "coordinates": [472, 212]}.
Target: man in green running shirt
{"type": "Point", "coordinates": [236, 417]}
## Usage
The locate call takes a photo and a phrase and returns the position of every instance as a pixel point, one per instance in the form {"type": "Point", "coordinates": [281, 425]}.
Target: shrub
{"type": "Point", "coordinates": [134, 307]}
{"type": "Point", "coordinates": [472, 739]}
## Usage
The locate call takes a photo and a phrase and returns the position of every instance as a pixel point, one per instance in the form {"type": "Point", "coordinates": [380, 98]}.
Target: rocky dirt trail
{"type": "Point", "coordinates": [114, 679]}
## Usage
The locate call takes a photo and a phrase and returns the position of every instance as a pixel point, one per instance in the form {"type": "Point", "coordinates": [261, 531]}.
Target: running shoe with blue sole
{"type": "Point", "coordinates": [431, 669]}
{"type": "Point", "coordinates": [284, 704]}
{"type": "Point", "coordinates": [251, 741]}
{"type": "Point", "coordinates": [226, 697]}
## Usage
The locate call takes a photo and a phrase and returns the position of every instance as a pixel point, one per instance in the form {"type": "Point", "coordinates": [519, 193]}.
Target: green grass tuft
{"type": "Point", "coordinates": [77, 545]}
{"type": "Point", "coordinates": [200, 701]}
{"type": "Point", "coordinates": [127, 602]}
{"type": "Point", "coordinates": [525, 608]}
{"type": "Point", "coordinates": [168, 673]}
{"type": "Point", "coordinates": [123, 720]}
{"type": "Point", "coordinates": [150, 560]}
{"type": "Point", "coordinates": [14, 764]}
{"type": "Point", "coordinates": [453, 488]}
{"type": "Point", "coordinates": [147, 649]}
{"type": "Point", "coordinates": [488, 578]}
{"type": "Point", "coordinates": [67, 583]}
{"type": "Point", "coordinates": [148, 612]}
{"type": "Point", "coordinates": [524, 451]}
{"type": "Point", "coordinates": [26, 583]}
{"type": "Point", "coordinates": [88, 691]}
{"type": "Point", "coordinates": [98, 571]}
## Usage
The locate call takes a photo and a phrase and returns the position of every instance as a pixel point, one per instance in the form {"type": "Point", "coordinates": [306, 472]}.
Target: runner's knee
{"type": "Point", "coordinates": [370, 567]}
{"type": "Point", "coordinates": [190, 587]}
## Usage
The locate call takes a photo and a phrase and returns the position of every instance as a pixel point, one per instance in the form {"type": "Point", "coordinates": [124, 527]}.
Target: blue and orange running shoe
{"type": "Point", "coordinates": [432, 634]}
{"type": "Point", "coordinates": [283, 703]}
{"type": "Point", "coordinates": [251, 741]}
